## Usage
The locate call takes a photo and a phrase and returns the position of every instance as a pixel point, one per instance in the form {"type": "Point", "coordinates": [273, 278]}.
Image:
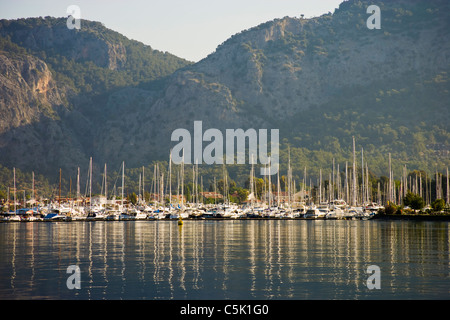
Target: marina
{"type": "Point", "coordinates": [54, 213]}
{"type": "Point", "coordinates": [321, 202]}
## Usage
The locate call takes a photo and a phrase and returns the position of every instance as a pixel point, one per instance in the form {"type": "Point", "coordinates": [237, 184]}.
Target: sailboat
{"type": "Point", "coordinates": [58, 213]}
{"type": "Point", "coordinates": [127, 214]}
{"type": "Point", "coordinates": [123, 213]}
{"type": "Point", "coordinates": [77, 212]}
{"type": "Point", "coordinates": [95, 213]}
{"type": "Point", "coordinates": [12, 215]}
{"type": "Point", "coordinates": [111, 214]}
{"type": "Point", "coordinates": [114, 214]}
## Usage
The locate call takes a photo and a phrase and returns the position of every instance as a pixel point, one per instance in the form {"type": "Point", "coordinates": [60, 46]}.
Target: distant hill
{"type": "Point", "coordinates": [66, 95]}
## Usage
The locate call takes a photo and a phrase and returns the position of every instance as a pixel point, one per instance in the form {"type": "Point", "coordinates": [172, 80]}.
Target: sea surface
{"type": "Point", "coordinates": [218, 260]}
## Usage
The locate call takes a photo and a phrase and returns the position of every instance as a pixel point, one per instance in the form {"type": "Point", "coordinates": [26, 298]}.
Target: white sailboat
{"type": "Point", "coordinates": [58, 212]}
{"type": "Point", "coordinates": [95, 212]}
{"type": "Point", "coordinates": [124, 212]}
{"type": "Point", "coordinates": [12, 216]}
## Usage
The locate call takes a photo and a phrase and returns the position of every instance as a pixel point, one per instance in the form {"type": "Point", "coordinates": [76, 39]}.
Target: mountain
{"type": "Point", "coordinates": [56, 83]}
{"type": "Point", "coordinates": [67, 95]}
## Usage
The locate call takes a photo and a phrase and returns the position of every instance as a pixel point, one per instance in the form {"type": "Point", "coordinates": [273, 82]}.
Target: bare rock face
{"type": "Point", "coordinates": [27, 90]}
{"type": "Point", "coordinates": [31, 131]}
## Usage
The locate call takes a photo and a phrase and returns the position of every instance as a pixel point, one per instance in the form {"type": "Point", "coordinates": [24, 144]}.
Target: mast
{"type": "Point", "coordinates": [123, 183]}
{"type": "Point", "coordinates": [140, 186]}
{"type": "Point", "coordinates": [106, 185]}
{"type": "Point", "coordinates": [270, 188]}
{"type": "Point", "coordinates": [35, 196]}
{"type": "Point", "coordinates": [338, 182]}
{"type": "Point", "coordinates": [78, 186]}
{"type": "Point", "coordinates": [215, 191]}
{"type": "Point", "coordinates": [448, 193]}
{"type": "Point", "coordinates": [293, 196]}
{"type": "Point", "coordinates": [178, 187]}
{"type": "Point", "coordinates": [332, 181]}
{"type": "Point", "coordinates": [367, 183]}
{"type": "Point", "coordinates": [90, 184]}
{"type": "Point", "coordinates": [405, 181]}
{"type": "Point", "coordinates": [196, 183]}
{"type": "Point", "coordinates": [429, 189]}
{"type": "Point", "coordinates": [354, 175]}
{"type": "Point", "coordinates": [193, 183]}
{"type": "Point", "coordinates": [225, 184]}
{"type": "Point", "coordinates": [437, 185]}
{"type": "Point", "coordinates": [311, 201]}
{"type": "Point", "coordinates": [70, 196]}
{"type": "Point", "coordinates": [362, 178]}
{"type": "Point", "coordinates": [346, 183]}
{"type": "Point", "coordinates": [154, 182]}
{"type": "Point", "coordinates": [161, 186]}
{"type": "Point", "coordinates": [390, 180]}
{"type": "Point", "coordinates": [14, 173]}
{"type": "Point", "coordinates": [278, 188]}
{"type": "Point", "coordinates": [379, 194]}
{"type": "Point", "coordinates": [320, 186]}
{"type": "Point", "coordinates": [330, 186]}
{"type": "Point", "coordinates": [289, 179]}
{"type": "Point", "coordinates": [255, 189]}
{"type": "Point", "coordinates": [143, 184]}
{"type": "Point", "coordinates": [170, 179]}
{"type": "Point", "coordinates": [420, 185]}
{"type": "Point", "coordinates": [304, 187]}
{"type": "Point", "coordinates": [78, 183]}
{"type": "Point", "coordinates": [251, 184]}
{"type": "Point", "coordinates": [182, 181]}
{"type": "Point", "coordinates": [60, 172]}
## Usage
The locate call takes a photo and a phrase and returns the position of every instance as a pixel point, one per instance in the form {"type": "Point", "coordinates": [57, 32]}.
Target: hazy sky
{"type": "Point", "coordinates": [190, 29]}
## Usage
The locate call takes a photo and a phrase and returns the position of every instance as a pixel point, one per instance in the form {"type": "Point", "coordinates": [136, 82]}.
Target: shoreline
{"type": "Point", "coordinates": [413, 217]}
{"type": "Point", "coordinates": [391, 217]}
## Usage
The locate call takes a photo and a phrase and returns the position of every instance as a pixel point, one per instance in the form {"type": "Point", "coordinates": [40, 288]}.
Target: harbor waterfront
{"type": "Point", "coordinates": [212, 259]}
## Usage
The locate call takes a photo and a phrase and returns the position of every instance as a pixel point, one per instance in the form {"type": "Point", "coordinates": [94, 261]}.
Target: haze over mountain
{"type": "Point", "coordinates": [67, 95]}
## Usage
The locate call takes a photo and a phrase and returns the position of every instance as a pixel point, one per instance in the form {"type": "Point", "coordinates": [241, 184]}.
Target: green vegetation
{"type": "Point", "coordinates": [10, 48]}
{"type": "Point", "coordinates": [132, 198]}
{"type": "Point", "coordinates": [438, 205]}
{"type": "Point", "coordinates": [414, 201]}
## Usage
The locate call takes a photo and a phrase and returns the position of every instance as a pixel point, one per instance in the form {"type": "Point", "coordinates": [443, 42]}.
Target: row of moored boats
{"type": "Point", "coordinates": [337, 209]}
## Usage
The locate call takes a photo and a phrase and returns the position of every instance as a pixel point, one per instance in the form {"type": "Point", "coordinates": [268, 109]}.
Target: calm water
{"type": "Point", "coordinates": [225, 260]}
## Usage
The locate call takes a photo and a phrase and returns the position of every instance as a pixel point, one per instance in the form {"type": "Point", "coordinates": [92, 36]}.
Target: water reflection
{"type": "Point", "coordinates": [225, 260]}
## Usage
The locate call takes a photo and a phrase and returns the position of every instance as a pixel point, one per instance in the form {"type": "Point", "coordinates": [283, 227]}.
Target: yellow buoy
{"type": "Point", "coordinates": [180, 222]}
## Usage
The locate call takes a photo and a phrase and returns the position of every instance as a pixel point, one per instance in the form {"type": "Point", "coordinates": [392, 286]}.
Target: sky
{"type": "Point", "coordinates": [190, 29]}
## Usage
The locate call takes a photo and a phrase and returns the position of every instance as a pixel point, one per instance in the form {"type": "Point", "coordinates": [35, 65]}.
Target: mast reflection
{"type": "Point", "coordinates": [273, 259]}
